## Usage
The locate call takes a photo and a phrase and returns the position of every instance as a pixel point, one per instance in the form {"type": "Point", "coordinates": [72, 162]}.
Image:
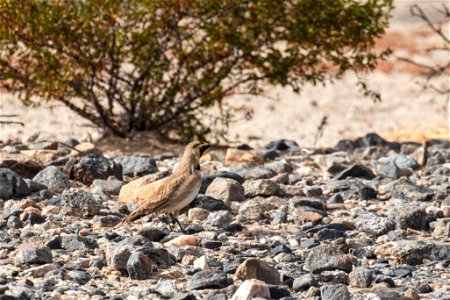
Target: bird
{"type": "Point", "coordinates": [173, 193]}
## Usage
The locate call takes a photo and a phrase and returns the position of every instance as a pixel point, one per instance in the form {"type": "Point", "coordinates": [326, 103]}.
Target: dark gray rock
{"type": "Point", "coordinates": [304, 282]}
{"type": "Point", "coordinates": [166, 288]}
{"type": "Point", "coordinates": [208, 203]}
{"type": "Point", "coordinates": [313, 191]}
{"type": "Point", "coordinates": [257, 172]}
{"type": "Point", "coordinates": [208, 280]}
{"type": "Point", "coordinates": [411, 217]}
{"type": "Point", "coordinates": [106, 221]}
{"type": "Point", "coordinates": [356, 170]}
{"type": "Point", "coordinates": [404, 188]}
{"type": "Point", "coordinates": [278, 292]}
{"type": "Point", "coordinates": [211, 244]}
{"type": "Point", "coordinates": [283, 145]}
{"type": "Point", "coordinates": [279, 166]}
{"type": "Point", "coordinates": [14, 222]}
{"type": "Point", "coordinates": [397, 166]}
{"type": "Point", "coordinates": [81, 277]}
{"type": "Point", "coordinates": [281, 215]}
{"type": "Point", "coordinates": [80, 203]}
{"type": "Point", "coordinates": [335, 277]}
{"type": "Point", "coordinates": [351, 189]}
{"type": "Point", "coordinates": [12, 185]}
{"type": "Point", "coordinates": [136, 165]}
{"type": "Point", "coordinates": [336, 199]}
{"type": "Point", "coordinates": [326, 257]}
{"type": "Point", "coordinates": [74, 242]}
{"type": "Point", "coordinates": [119, 258]}
{"type": "Point", "coordinates": [206, 180]}
{"type": "Point", "coordinates": [33, 255]}
{"type": "Point", "coordinates": [386, 279]}
{"type": "Point", "coordinates": [107, 187]}
{"type": "Point", "coordinates": [52, 177]}
{"type": "Point", "coordinates": [35, 186]}
{"type": "Point", "coordinates": [152, 234]}
{"type": "Point", "coordinates": [361, 277]}
{"type": "Point", "coordinates": [310, 202]}
{"type": "Point", "coordinates": [329, 234]}
{"type": "Point", "coordinates": [95, 166]}
{"type": "Point", "coordinates": [139, 266]}
{"type": "Point", "coordinates": [334, 292]}
{"type": "Point", "coordinates": [261, 187]}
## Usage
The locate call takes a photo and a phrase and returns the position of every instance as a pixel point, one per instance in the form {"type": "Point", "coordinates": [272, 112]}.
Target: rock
{"type": "Point", "coordinates": [81, 277]}
{"type": "Point", "coordinates": [404, 188]}
{"type": "Point", "coordinates": [106, 221]}
{"type": "Point", "coordinates": [252, 288]}
{"type": "Point", "coordinates": [14, 222]}
{"type": "Point", "coordinates": [280, 166]}
{"type": "Point", "coordinates": [107, 187]}
{"type": "Point", "coordinates": [281, 215]}
{"type": "Point", "coordinates": [197, 214]}
{"type": "Point", "coordinates": [304, 214]}
{"type": "Point", "coordinates": [182, 240]}
{"type": "Point", "coordinates": [374, 224]}
{"type": "Point", "coordinates": [208, 280]}
{"type": "Point", "coordinates": [334, 292]}
{"type": "Point", "coordinates": [219, 219]}
{"type": "Point", "coordinates": [283, 145]}
{"type": "Point", "coordinates": [335, 277]}
{"type": "Point", "coordinates": [55, 180]}
{"type": "Point", "coordinates": [261, 187]}
{"type": "Point", "coordinates": [242, 157]}
{"type": "Point", "coordinates": [351, 189]}
{"type": "Point", "coordinates": [304, 282]}
{"type": "Point", "coordinates": [35, 186]}
{"type": "Point", "coordinates": [256, 172]}
{"type": "Point", "coordinates": [313, 191]}
{"type": "Point", "coordinates": [152, 234]}
{"type": "Point", "coordinates": [329, 234]}
{"type": "Point", "coordinates": [226, 189]}
{"type": "Point", "coordinates": [39, 271]}
{"type": "Point", "coordinates": [251, 210]}
{"type": "Point", "coordinates": [85, 148]}
{"type": "Point", "coordinates": [336, 199]}
{"type": "Point", "coordinates": [80, 203]}
{"type": "Point", "coordinates": [166, 288]}
{"type": "Point", "coordinates": [356, 170]}
{"type": "Point", "coordinates": [119, 258]}
{"type": "Point", "coordinates": [411, 217]}
{"type": "Point", "coordinates": [326, 257]}
{"type": "Point", "coordinates": [33, 255]}
{"type": "Point", "coordinates": [25, 168]}
{"type": "Point", "coordinates": [386, 279]}
{"type": "Point", "coordinates": [12, 185]}
{"type": "Point", "coordinates": [207, 180]}
{"type": "Point", "coordinates": [208, 203]}
{"type": "Point", "coordinates": [75, 242]}
{"type": "Point", "coordinates": [136, 165]}
{"type": "Point", "coordinates": [253, 268]}
{"type": "Point", "coordinates": [397, 166]}
{"type": "Point", "coordinates": [94, 166]}
{"type": "Point", "coordinates": [361, 277]}
{"type": "Point", "coordinates": [139, 266]}
{"type": "Point", "coordinates": [210, 244]}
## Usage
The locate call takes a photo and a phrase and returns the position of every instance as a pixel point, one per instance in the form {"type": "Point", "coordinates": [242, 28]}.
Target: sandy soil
{"type": "Point", "coordinates": [407, 112]}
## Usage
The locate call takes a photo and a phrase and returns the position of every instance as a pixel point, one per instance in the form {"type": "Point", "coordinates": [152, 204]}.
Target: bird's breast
{"type": "Point", "coordinates": [186, 194]}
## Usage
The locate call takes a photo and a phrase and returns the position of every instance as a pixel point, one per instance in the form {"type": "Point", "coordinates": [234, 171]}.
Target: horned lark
{"type": "Point", "coordinates": [173, 193]}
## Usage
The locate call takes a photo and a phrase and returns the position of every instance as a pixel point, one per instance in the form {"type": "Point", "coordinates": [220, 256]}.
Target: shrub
{"type": "Point", "coordinates": [160, 64]}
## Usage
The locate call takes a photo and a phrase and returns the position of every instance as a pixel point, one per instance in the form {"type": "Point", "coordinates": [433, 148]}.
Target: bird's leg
{"type": "Point", "coordinates": [175, 220]}
{"type": "Point", "coordinates": [165, 219]}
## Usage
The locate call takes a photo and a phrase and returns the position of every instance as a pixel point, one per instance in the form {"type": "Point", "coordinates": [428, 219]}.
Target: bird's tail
{"type": "Point", "coordinates": [130, 218]}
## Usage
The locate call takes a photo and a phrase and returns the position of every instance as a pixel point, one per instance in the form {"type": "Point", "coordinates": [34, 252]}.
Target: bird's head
{"type": "Point", "coordinates": [197, 148]}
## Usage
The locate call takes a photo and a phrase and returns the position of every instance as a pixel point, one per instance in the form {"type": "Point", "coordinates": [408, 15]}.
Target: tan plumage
{"type": "Point", "coordinates": [170, 194]}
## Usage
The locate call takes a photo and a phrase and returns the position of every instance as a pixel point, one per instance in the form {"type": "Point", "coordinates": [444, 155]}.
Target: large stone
{"type": "Point", "coordinates": [361, 277]}
{"type": "Point", "coordinates": [80, 203]}
{"type": "Point", "coordinates": [334, 292]}
{"type": "Point", "coordinates": [326, 257]}
{"type": "Point", "coordinates": [139, 266]}
{"type": "Point", "coordinates": [256, 172]}
{"type": "Point", "coordinates": [356, 170]}
{"type": "Point", "coordinates": [254, 268]}
{"type": "Point", "coordinates": [208, 280]}
{"type": "Point", "coordinates": [55, 180]}
{"type": "Point", "coordinates": [397, 166]}
{"type": "Point", "coordinates": [12, 185]}
{"type": "Point", "coordinates": [136, 165]}
{"type": "Point", "coordinates": [33, 255]}
{"type": "Point", "coordinates": [107, 187]}
{"type": "Point", "coordinates": [252, 288]}
{"type": "Point", "coordinates": [208, 203]}
{"type": "Point", "coordinates": [226, 189]}
{"type": "Point", "coordinates": [373, 224]}
{"type": "Point", "coordinates": [304, 282]}
{"type": "Point", "coordinates": [411, 217]}
{"type": "Point", "coordinates": [95, 166]}
{"type": "Point", "coordinates": [404, 188]}
{"type": "Point", "coordinates": [219, 219]}
{"type": "Point", "coordinates": [208, 179]}
{"type": "Point", "coordinates": [261, 187]}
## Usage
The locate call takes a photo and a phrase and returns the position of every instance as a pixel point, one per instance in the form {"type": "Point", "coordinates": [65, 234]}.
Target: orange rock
{"type": "Point", "coordinates": [183, 240]}
{"type": "Point", "coordinates": [241, 157]}
{"type": "Point", "coordinates": [29, 210]}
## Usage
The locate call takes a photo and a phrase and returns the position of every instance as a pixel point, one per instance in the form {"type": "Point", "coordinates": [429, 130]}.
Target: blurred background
{"type": "Point", "coordinates": [320, 115]}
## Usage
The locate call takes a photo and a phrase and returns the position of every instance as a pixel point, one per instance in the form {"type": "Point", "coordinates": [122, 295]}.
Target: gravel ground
{"type": "Point", "coordinates": [367, 219]}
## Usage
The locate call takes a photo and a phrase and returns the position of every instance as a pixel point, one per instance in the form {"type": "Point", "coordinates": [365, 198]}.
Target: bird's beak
{"type": "Point", "coordinates": [202, 148]}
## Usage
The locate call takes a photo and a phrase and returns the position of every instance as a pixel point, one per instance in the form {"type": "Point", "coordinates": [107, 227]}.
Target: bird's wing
{"type": "Point", "coordinates": [154, 199]}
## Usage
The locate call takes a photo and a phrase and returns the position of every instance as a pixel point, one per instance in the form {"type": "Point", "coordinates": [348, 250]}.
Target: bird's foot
{"type": "Point", "coordinates": [175, 220]}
